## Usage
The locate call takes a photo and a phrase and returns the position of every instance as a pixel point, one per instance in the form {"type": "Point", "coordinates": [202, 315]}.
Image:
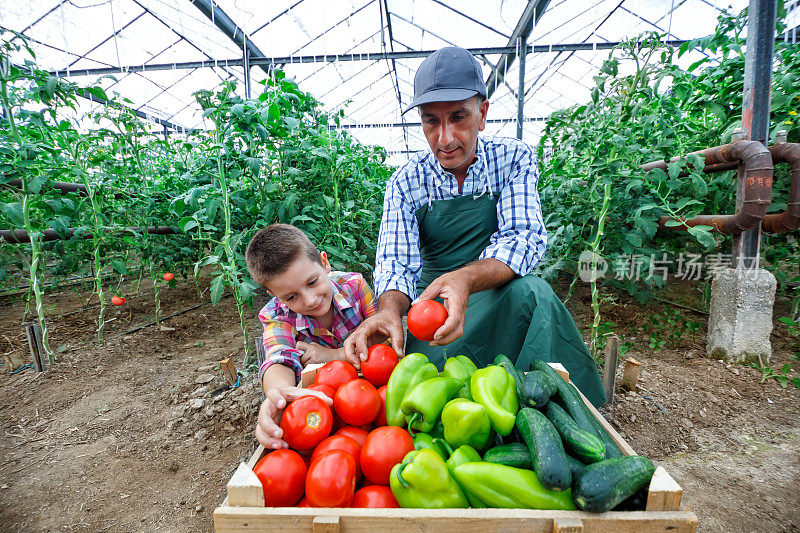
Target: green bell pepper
{"type": "Point", "coordinates": [496, 390]}
{"type": "Point", "coordinates": [399, 384]}
{"type": "Point", "coordinates": [423, 480]}
{"type": "Point", "coordinates": [459, 456]}
{"type": "Point", "coordinates": [460, 367]}
{"type": "Point", "coordinates": [510, 488]}
{"type": "Point", "coordinates": [466, 422]}
{"type": "Point", "coordinates": [423, 441]}
{"type": "Point", "coordinates": [424, 403]}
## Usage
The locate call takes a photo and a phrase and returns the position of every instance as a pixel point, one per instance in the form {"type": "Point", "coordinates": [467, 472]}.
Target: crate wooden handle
{"type": "Point", "coordinates": [325, 524]}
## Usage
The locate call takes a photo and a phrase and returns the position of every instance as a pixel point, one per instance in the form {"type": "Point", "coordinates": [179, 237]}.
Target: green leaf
{"type": "Point", "coordinates": [119, 266]}
{"type": "Point", "coordinates": [704, 237]}
{"type": "Point", "coordinates": [673, 169]}
{"type": "Point", "coordinates": [683, 202]}
{"type": "Point", "coordinates": [14, 212]}
{"type": "Point", "coordinates": [217, 288]}
{"type": "Point", "coordinates": [786, 368]}
{"type": "Point", "coordinates": [672, 223]}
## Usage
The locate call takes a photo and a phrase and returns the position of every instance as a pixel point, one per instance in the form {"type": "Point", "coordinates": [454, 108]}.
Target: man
{"type": "Point", "coordinates": [463, 224]}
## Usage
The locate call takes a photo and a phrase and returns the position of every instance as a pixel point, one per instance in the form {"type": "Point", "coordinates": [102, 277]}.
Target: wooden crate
{"type": "Point", "coordinates": [243, 509]}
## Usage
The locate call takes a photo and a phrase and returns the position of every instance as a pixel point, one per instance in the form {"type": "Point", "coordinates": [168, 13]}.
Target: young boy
{"type": "Point", "coordinates": [311, 315]}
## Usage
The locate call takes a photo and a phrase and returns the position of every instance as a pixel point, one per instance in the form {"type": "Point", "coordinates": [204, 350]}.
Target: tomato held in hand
{"type": "Point", "coordinates": [424, 318]}
{"type": "Point", "coordinates": [375, 496]}
{"type": "Point", "coordinates": [340, 442]}
{"type": "Point", "coordinates": [283, 475]}
{"type": "Point", "coordinates": [336, 374]}
{"type": "Point", "coordinates": [380, 420]}
{"type": "Point", "coordinates": [168, 276]}
{"type": "Point", "coordinates": [327, 390]}
{"type": "Point", "coordinates": [380, 362]}
{"type": "Point", "coordinates": [331, 480]}
{"type": "Point", "coordinates": [385, 447]}
{"type": "Point", "coordinates": [357, 402]}
{"type": "Point", "coordinates": [357, 434]}
{"type": "Point", "coordinates": [305, 422]}
{"type": "Point", "coordinates": [116, 300]}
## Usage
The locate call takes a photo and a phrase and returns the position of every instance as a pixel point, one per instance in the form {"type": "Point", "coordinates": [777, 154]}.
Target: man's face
{"type": "Point", "coordinates": [452, 131]}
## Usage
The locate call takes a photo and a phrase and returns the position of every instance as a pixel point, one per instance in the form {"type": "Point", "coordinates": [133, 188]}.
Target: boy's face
{"type": "Point", "coordinates": [305, 287]}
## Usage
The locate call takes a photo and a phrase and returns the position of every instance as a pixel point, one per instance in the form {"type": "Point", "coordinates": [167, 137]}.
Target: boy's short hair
{"type": "Point", "coordinates": [274, 248]}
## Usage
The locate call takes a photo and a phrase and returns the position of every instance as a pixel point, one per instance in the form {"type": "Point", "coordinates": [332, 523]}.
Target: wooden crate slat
{"type": "Point", "coordinates": [664, 493]}
{"type": "Point", "coordinates": [245, 489]}
{"type": "Point", "coordinates": [237, 519]}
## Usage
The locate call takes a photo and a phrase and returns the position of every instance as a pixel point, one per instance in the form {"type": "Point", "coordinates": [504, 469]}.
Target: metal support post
{"type": "Point", "coordinates": [755, 111]}
{"type": "Point", "coordinates": [38, 355]}
{"type": "Point", "coordinates": [246, 65]}
{"type": "Point", "coordinates": [523, 49]}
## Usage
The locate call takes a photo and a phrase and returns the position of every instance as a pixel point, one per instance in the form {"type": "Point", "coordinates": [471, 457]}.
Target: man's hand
{"type": "Point", "coordinates": [316, 353]}
{"type": "Point", "coordinates": [454, 289]}
{"type": "Point", "coordinates": [268, 432]}
{"type": "Point", "coordinates": [383, 324]}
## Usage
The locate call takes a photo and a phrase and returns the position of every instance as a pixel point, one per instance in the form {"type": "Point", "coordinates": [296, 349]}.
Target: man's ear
{"type": "Point", "coordinates": [325, 263]}
{"type": "Point", "coordinates": [483, 108]}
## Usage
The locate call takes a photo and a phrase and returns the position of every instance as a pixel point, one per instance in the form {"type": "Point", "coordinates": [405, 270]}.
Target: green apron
{"type": "Point", "coordinates": [522, 319]}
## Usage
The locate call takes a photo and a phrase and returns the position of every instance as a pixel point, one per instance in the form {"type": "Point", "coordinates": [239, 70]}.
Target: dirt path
{"type": "Point", "coordinates": [141, 434]}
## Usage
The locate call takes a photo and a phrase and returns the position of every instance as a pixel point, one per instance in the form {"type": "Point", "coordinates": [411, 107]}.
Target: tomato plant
{"type": "Point", "coordinates": [357, 402]}
{"type": "Point", "coordinates": [283, 476]}
{"type": "Point", "coordinates": [335, 374]}
{"type": "Point", "coordinates": [375, 496]}
{"type": "Point", "coordinates": [305, 422]}
{"type": "Point", "coordinates": [340, 442]}
{"type": "Point", "coordinates": [383, 448]}
{"type": "Point", "coordinates": [424, 318]}
{"type": "Point", "coordinates": [331, 480]}
{"type": "Point", "coordinates": [379, 364]}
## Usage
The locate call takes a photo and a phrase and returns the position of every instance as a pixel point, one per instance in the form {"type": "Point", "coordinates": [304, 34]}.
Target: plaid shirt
{"type": "Point", "coordinates": [283, 328]}
{"type": "Point", "coordinates": [503, 164]}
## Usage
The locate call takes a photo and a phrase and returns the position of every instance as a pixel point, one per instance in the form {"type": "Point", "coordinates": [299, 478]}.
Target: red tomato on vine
{"type": "Point", "coordinates": [116, 300]}
{"type": "Point", "coordinates": [168, 276]}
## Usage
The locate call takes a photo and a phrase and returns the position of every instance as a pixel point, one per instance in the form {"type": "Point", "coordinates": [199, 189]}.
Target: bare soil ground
{"type": "Point", "coordinates": [142, 434]}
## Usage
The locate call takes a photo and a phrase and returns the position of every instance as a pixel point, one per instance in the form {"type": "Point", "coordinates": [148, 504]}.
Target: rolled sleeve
{"type": "Point", "coordinates": [521, 238]}
{"type": "Point", "coordinates": [279, 346]}
{"type": "Point", "coordinates": [397, 263]}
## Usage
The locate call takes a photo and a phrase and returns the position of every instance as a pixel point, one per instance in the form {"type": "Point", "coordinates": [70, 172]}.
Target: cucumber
{"type": "Point", "coordinates": [568, 397]}
{"type": "Point", "coordinates": [637, 502]}
{"type": "Point", "coordinates": [604, 485]}
{"type": "Point", "coordinates": [575, 466]}
{"type": "Point", "coordinates": [548, 457]}
{"type": "Point", "coordinates": [537, 388]}
{"type": "Point", "coordinates": [515, 454]}
{"type": "Point", "coordinates": [581, 444]}
{"type": "Point", "coordinates": [505, 363]}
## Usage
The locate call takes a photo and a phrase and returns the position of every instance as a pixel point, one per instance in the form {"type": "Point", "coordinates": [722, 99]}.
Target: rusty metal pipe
{"type": "Point", "coordinates": [789, 220]}
{"type": "Point", "coordinates": [755, 162]}
{"type": "Point", "coordinates": [20, 236]}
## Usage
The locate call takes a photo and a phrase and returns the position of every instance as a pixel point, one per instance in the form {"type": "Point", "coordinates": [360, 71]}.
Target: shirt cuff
{"type": "Point", "coordinates": [513, 255]}
{"type": "Point", "coordinates": [290, 358]}
{"type": "Point", "coordinates": [397, 283]}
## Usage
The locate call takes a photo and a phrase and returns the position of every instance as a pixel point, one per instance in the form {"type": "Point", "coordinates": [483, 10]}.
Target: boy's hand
{"type": "Point", "coordinates": [316, 353]}
{"type": "Point", "coordinates": [268, 432]}
{"type": "Point", "coordinates": [372, 330]}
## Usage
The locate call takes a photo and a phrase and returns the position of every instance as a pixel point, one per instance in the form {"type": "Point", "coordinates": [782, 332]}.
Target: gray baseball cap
{"type": "Point", "coordinates": [447, 75]}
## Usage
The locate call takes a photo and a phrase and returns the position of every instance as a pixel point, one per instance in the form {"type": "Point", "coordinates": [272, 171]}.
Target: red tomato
{"type": "Point", "coordinates": [340, 442]}
{"type": "Point", "coordinates": [303, 503]}
{"type": "Point", "coordinates": [380, 362]}
{"type": "Point", "coordinates": [375, 496]}
{"type": "Point", "coordinates": [168, 276]}
{"type": "Point", "coordinates": [283, 476]}
{"type": "Point", "coordinates": [331, 480]}
{"type": "Point", "coordinates": [424, 318]}
{"type": "Point", "coordinates": [327, 390]}
{"type": "Point", "coordinates": [357, 402]}
{"type": "Point", "coordinates": [305, 422]}
{"type": "Point", "coordinates": [116, 300]}
{"type": "Point", "coordinates": [384, 448]}
{"type": "Point", "coordinates": [380, 420]}
{"type": "Point", "coordinates": [336, 374]}
{"type": "Point", "coordinates": [355, 433]}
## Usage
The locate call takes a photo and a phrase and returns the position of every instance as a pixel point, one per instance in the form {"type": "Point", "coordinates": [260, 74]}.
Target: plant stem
{"type": "Point", "coordinates": [595, 248]}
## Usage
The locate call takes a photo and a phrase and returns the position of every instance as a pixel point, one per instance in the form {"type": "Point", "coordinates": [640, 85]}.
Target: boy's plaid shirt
{"type": "Point", "coordinates": [353, 301]}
